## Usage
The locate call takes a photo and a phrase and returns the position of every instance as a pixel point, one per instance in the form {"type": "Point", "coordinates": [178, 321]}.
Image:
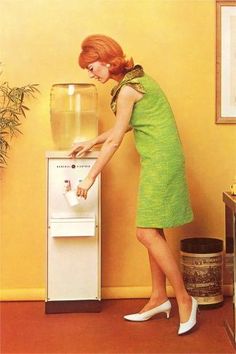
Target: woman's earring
{"type": "Point", "coordinates": [108, 65]}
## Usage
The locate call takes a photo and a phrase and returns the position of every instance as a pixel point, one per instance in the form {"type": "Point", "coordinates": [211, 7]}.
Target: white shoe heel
{"type": "Point", "coordinates": [144, 316]}
{"type": "Point", "coordinates": [168, 313]}
{"type": "Point", "coordinates": [187, 326]}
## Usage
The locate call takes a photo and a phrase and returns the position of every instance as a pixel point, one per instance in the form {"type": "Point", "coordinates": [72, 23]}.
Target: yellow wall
{"type": "Point", "coordinates": [175, 42]}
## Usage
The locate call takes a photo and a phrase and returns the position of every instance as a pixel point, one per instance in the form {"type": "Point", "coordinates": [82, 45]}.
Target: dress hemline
{"type": "Point", "coordinates": [165, 226]}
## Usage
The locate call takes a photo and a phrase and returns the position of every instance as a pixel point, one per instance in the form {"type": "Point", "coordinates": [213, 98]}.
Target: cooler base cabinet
{"type": "Point", "coordinates": [73, 239]}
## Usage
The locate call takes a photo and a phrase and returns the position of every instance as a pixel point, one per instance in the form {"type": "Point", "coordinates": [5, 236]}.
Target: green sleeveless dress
{"type": "Point", "coordinates": [163, 198]}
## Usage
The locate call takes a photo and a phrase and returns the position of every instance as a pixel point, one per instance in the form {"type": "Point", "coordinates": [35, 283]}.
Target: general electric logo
{"type": "Point", "coordinates": [73, 166]}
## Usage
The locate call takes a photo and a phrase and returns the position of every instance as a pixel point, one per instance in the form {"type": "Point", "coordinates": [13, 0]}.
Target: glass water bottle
{"type": "Point", "coordinates": [73, 114]}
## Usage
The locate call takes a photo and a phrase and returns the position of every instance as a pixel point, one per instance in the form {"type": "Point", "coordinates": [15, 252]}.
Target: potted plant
{"type": "Point", "coordinates": [12, 109]}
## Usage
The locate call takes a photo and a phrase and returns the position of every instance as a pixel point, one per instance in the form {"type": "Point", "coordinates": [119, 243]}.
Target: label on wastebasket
{"type": "Point", "coordinates": [203, 276]}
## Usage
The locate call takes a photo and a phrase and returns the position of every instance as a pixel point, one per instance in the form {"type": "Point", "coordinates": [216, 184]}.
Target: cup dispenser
{"type": "Point", "coordinates": [73, 236]}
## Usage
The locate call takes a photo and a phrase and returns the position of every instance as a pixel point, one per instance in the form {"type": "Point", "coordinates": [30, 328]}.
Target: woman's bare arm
{"type": "Point", "coordinates": [81, 148]}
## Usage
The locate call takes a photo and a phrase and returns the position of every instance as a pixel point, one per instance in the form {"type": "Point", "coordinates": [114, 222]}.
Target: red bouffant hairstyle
{"type": "Point", "coordinates": [104, 49]}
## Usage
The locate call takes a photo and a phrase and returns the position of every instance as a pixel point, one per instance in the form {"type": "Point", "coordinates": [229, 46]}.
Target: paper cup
{"type": "Point", "coordinates": [72, 198]}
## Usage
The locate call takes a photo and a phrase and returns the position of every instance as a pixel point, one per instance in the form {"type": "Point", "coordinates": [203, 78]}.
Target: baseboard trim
{"type": "Point", "coordinates": [130, 292]}
{"type": "Point", "coordinates": [124, 292]}
{"type": "Point", "coordinates": [22, 294]}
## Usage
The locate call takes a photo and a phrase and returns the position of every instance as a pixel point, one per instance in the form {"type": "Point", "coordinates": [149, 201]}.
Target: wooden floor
{"type": "Point", "coordinates": [26, 329]}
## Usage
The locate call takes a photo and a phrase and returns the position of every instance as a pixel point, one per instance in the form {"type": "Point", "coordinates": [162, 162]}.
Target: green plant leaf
{"type": "Point", "coordinates": [12, 108]}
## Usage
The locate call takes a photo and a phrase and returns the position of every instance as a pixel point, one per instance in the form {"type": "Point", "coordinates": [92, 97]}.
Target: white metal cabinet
{"type": "Point", "coordinates": [73, 237]}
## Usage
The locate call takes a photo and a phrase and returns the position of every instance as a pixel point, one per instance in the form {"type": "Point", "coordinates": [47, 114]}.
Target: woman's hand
{"type": "Point", "coordinates": [84, 186]}
{"type": "Point", "coordinates": [81, 148]}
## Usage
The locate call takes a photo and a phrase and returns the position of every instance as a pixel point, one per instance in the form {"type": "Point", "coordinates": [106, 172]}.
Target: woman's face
{"type": "Point", "coordinates": [99, 71]}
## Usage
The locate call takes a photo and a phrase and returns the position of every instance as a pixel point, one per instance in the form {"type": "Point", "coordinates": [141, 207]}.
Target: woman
{"type": "Point", "coordinates": [139, 104]}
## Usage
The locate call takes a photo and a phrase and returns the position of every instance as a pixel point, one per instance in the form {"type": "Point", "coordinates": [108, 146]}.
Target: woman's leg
{"type": "Point", "coordinates": [158, 295]}
{"type": "Point", "coordinates": [159, 250]}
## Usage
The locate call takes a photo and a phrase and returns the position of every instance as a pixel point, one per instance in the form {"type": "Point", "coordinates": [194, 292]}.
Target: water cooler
{"type": "Point", "coordinates": [73, 231]}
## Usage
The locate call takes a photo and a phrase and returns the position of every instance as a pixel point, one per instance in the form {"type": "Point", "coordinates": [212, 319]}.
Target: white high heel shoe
{"type": "Point", "coordinates": [144, 316]}
{"type": "Point", "coordinates": [187, 326]}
